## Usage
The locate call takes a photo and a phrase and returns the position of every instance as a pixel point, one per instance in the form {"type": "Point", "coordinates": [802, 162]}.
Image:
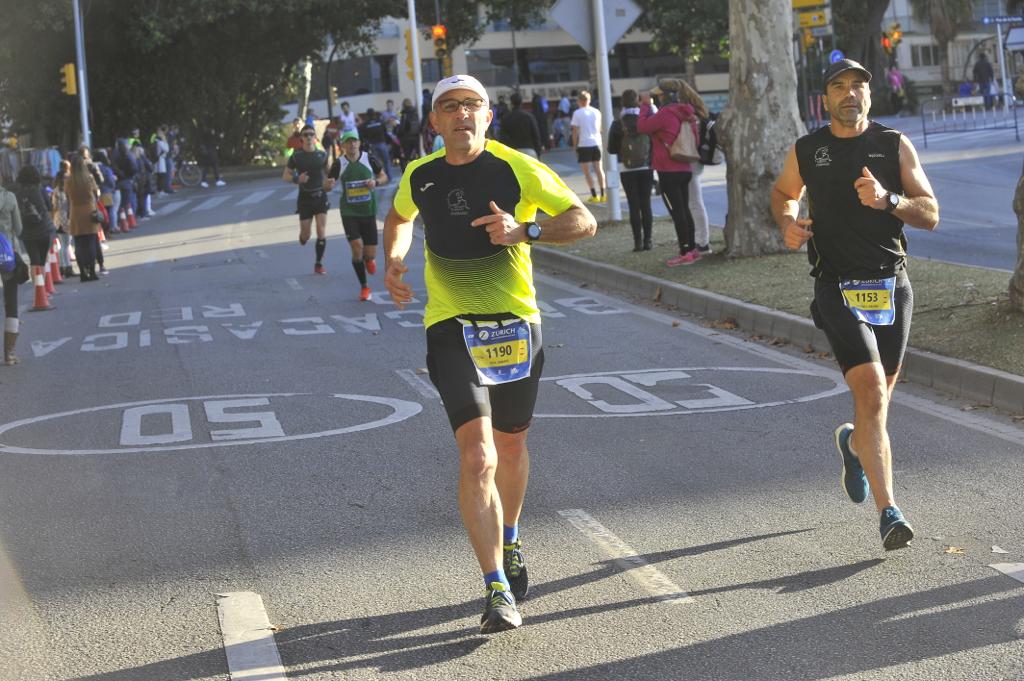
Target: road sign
{"type": "Point", "coordinates": [815, 18]}
{"type": "Point", "coordinates": [1001, 20]}
{"type": "Point", "coordinates": [576, 18]}
{"type": "Point", "coordinates": [835, 55]}
{"type": "Point", "coordinates": [821, 31]}
{"type": "Point", "coordinates": [806, 4]}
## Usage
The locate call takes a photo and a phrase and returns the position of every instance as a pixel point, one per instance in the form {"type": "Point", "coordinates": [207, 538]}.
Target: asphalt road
{"type": "Point", "coordinates": [212, 418]}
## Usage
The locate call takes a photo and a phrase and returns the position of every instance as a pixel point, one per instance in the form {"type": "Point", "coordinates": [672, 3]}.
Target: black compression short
{"type": "Point", "coordinates": [509, 405]}
{"type": "Point", "coordinates": [855, 342]}
{"type": "Point", "coordinates": [360, 228]}
{"type": "Point", "coordinates": [312, 203]}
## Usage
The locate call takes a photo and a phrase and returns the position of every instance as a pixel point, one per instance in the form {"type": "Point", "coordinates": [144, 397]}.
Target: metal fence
{"type": "Point", "coordinates": [965, 114]}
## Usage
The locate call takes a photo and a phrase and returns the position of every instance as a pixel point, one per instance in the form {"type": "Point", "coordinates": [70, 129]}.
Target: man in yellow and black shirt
{"type": "Point", "coordinates": [478, 200]}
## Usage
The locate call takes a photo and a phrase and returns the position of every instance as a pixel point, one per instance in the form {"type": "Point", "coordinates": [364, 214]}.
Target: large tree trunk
{"type": "Point", "coordinates": [859, 34]}
{"type": "Point", "coordinates": [761, 121]}
{"type": "Point", "coordinates": [1017, 280]}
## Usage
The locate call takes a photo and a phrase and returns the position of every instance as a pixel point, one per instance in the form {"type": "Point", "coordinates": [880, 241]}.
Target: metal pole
{"type": "Point", "coordinates": [417, 73]}
{"type": "Point", "coordinates": [327, 80]}
{"type": "Point", "coordinates": [605, 88]}
{"type": "Point", "coordinates": [1007, 92]}
{"type": "Point", "coordinates": [83, 85]}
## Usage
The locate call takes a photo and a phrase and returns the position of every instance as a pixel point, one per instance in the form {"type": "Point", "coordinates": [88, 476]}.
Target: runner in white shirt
{"type": "Point", "coordinates": [586, 140]}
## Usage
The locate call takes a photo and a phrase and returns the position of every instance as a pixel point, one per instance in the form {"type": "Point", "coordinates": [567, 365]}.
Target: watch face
{"type": "Point", "coordinates": [894, 199]}
{"type": "Point", "coordinates": [533, 231]}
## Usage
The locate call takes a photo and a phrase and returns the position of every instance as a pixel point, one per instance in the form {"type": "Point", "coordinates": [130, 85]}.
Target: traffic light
{"type": "Point", "coordinates": [408, 55]}
{"type": "Point", "coordinates": [886, 43]}
{"type": "Point", "coordinates": [68, 84]}
{"type": "Point", "coordinates": [895, 34]}
{"type": "Point", "coordinates": [807, 39]}
{"type": "Point", "coordinates": [332, 95]}
{"type": "Point", "coordinates": [440, 34]}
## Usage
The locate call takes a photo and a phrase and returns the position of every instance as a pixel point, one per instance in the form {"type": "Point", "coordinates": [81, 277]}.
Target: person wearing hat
{"type": "Point", "coordinates": [358, 173]}
{"type": "Point", "coordinates": [306, 168]}
{"type": "Point", "coordinates": [673, 176]}
{"type": "Point", "coordinates": [478, 200]}
{"type": "Point", "coordinates": [374, 137]}
{"type": "Point", "coordinates": [863, 182]}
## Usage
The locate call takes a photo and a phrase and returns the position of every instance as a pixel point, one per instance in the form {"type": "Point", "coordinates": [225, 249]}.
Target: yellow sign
{"type": "Point", "coordinates": [804, 4]}
{"type": "Point", "coordinates": [811, 19]}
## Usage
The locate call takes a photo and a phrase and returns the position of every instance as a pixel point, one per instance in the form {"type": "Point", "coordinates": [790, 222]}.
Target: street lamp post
{"type": "Point", "coordinates": [417, 75]}
{"type": "Point", "coordinates": [83, 84]}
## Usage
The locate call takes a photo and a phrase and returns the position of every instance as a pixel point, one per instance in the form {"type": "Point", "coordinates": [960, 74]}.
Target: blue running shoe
{"type": "Point", "coordinates": [500, 611]}
{"type": "Point", "coordinates": [854, 482]}
{"type": "Point", "coordinates": [896, 531]}
{"type": "Point", "coordinates": [514, 563]}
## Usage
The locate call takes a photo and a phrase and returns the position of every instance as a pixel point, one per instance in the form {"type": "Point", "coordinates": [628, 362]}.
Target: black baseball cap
{"type": "Point", "coordinates": [842, 66]}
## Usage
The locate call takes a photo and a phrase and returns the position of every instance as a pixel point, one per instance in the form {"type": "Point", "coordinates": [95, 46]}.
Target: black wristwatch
{"type": "Point", "coordinates": [892, 201]}
{"type": "Point", "coordinates": [533, 231]}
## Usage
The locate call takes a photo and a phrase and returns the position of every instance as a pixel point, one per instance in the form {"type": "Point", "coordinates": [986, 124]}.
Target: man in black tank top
{"type": "Point", "coordinates": [863, 181]}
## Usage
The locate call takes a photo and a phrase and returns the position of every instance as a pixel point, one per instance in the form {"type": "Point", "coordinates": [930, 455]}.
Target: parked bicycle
{"type": "Point", "coordinates": [187, 171]}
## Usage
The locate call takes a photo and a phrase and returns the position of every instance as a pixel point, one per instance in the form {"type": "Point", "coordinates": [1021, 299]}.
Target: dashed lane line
{"type": "Point", "coordinates": [1014, 570]}
{"type": "Point", "coordinates": [645, 574]}
{"type": "Point", "coordinates": [294, 283]}
{"type": "Point", "coordinates": [419, 384]}
{"type": "Point", "coordinates": [211, 202]}
{"type": "Point", "coordinates": [248, 638]}
{"type": "Point", "coordinates": [256, 197]}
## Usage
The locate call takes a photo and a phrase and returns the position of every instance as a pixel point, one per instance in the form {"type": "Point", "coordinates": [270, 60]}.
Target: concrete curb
{"type": "Point", "coordinates": [957, 377]}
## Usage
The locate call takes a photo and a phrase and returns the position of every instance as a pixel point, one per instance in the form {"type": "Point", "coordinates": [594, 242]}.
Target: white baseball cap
{"type": "Point", "coordinates": [459, 82]}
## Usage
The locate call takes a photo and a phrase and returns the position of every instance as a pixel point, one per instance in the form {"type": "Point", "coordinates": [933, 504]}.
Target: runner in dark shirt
{"type": "Point", "coordinates": [306, 169]}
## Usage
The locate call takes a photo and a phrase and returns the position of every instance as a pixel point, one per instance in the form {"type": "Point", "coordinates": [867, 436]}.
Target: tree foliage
{"type": "Point", "coordinates": [689, 29]}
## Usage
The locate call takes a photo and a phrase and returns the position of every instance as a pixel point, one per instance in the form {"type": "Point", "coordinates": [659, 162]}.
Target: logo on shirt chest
{"type": "Point", "coordinates": [457, 204]}
{"type": "Point", "coordinates": [822, 158]}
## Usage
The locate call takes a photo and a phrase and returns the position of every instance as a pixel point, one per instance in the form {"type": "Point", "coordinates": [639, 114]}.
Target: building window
{"type": "Point", "coordinates": [536, 65]}
{"type": "Point", "coordinates": [925, 55]}
{"type": "Point", "coordinates": [357, 76]}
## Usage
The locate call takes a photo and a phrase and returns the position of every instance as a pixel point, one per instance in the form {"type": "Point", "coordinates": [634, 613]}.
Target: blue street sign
{"type": "Point", "coordinates": [835, 55]}
{"type": "Point", "coordinates": [1001, 20]}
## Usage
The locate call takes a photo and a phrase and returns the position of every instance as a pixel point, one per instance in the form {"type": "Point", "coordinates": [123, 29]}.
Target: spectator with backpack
{"type": "Point", "coordinates": [633, 149]}
{"type": "Point", "coordinates": [408, 132]}
{"type": "Point", "coordinates": [702, 236]}
{"type": "Point", "coordinates": [10, 243]}
{"type": "Point", "coordinates": [671, 121]}
{"type": "Point", "coordinates": [37, 230]}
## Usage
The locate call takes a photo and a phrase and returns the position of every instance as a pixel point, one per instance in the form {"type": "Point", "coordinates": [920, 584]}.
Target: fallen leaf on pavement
{"type": "Point", "coordinates": [955, 550]}
{"type": "Point", "coordinates": [675, 324]}
{"type": "Point", "coordinates": [728, 323]}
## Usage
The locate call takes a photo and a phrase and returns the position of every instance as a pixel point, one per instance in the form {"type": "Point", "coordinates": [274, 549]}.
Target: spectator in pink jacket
{"type": "Point", "coordinates": [673, 177]}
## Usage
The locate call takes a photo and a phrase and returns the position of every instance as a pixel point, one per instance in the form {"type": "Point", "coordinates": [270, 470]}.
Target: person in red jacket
{"type": "Point", "coordinates": [674, 177]}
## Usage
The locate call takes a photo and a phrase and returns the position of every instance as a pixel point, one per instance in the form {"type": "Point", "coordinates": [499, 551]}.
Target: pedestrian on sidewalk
{"type": "Point", "coordinates": [586, 141]}
{"type": "Point", "coordinates": [483, 325]}
{"type": "Point", "coordinates": [60, 213]}
{"type": "Point", "coordinates": [10, 229]}
{"type": "Point", "coordinates": [37, 229]}
{"type": "Point", "coordinates": [664, 125]}
{"type": "Point", "coordinates": [82, 193]}
{"type": "Point", "coordinates": [519, 129]}
{"type": "Point", "coordinates": [633, 149]}
{"type": "Point", "coordinates": [358, 173]}
{"type": "Point", "coordinates": [698, 211]}
{"type": "Point", "coordinates": [863, 181]}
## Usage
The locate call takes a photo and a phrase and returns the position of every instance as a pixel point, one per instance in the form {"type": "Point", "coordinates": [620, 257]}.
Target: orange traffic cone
{"type": "Point", "coordinates": [55, 263]}
{"type": "Point", "coordinates": [39, 279]}
{"type": "Point", "coordinates": [131, 218]}
{"type": "Point", "coordinates": [122, 221]}
{"type": "Point", "coordinates": [101, 236]}
{"type": "Point", "coordinates": [48, 278]}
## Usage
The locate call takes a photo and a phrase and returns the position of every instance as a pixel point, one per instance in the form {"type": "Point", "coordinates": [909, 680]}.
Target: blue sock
{"type": "Point", "coordinates": [496, 576]}
{"type": "Point", "coordinates": [511, 533]}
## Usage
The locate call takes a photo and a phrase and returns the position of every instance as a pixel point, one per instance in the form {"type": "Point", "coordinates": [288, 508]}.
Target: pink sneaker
{"type": "Point", "coordinates": [687, 258]}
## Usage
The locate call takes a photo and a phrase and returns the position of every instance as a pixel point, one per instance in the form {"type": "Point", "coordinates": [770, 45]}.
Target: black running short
{"type": "Point", "coordinates": [360, 228]}
{"type": "Point", "coordinates": [312, 203]}
{"type": "Point", "coordinates": [509, 405]}
{"type": "Point", "coordinates": [588, 154]}
{"type": "Point", "coordinates": [855, 342]}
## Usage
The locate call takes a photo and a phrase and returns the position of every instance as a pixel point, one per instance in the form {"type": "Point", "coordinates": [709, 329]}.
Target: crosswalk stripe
{"type": "Point", "coordinates": [211, 202]}
{"type": "Point", "coordinates": [256, 197]}
{"type": "Point", "coordinates": [170, 207]}
{"type": "Point", "coordinates": [290, 196]}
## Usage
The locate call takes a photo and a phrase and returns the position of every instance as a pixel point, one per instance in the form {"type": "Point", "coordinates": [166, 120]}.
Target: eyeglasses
{"type": "Point", "coordinates": [309, 134]}
{"type": "Point", "coordinates": [452, 105]}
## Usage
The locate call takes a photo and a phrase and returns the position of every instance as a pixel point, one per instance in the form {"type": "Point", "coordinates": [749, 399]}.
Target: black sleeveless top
{"type": "Point", "coordinates": [851, 241]}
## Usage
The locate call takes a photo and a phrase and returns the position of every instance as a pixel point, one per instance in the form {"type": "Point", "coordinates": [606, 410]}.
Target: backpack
{"type": "Point", "coordinates": [7, 259]}
{"type": "Point", "coordinates": [29, 213]}
{"type": "Point", "coordinates": [684, 146]}
{"type": "Point", "coordinates": [635, 148]}
{"type": "Point", "coordinates": [708, 149]}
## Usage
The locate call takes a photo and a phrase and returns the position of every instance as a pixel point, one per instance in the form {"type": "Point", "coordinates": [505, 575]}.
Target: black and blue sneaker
{"type": "Point", "coordinates": [853, 480]}
{"type": "Point", "coordinates": [500, 611]}
{"type": "Point", "coordinates": [896, 531]}
{"type": "Point", "coordinates": [514, 563]}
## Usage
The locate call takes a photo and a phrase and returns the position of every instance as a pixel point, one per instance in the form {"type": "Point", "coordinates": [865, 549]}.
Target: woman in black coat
{"type": "Point", "coordinates": [37, 229]}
